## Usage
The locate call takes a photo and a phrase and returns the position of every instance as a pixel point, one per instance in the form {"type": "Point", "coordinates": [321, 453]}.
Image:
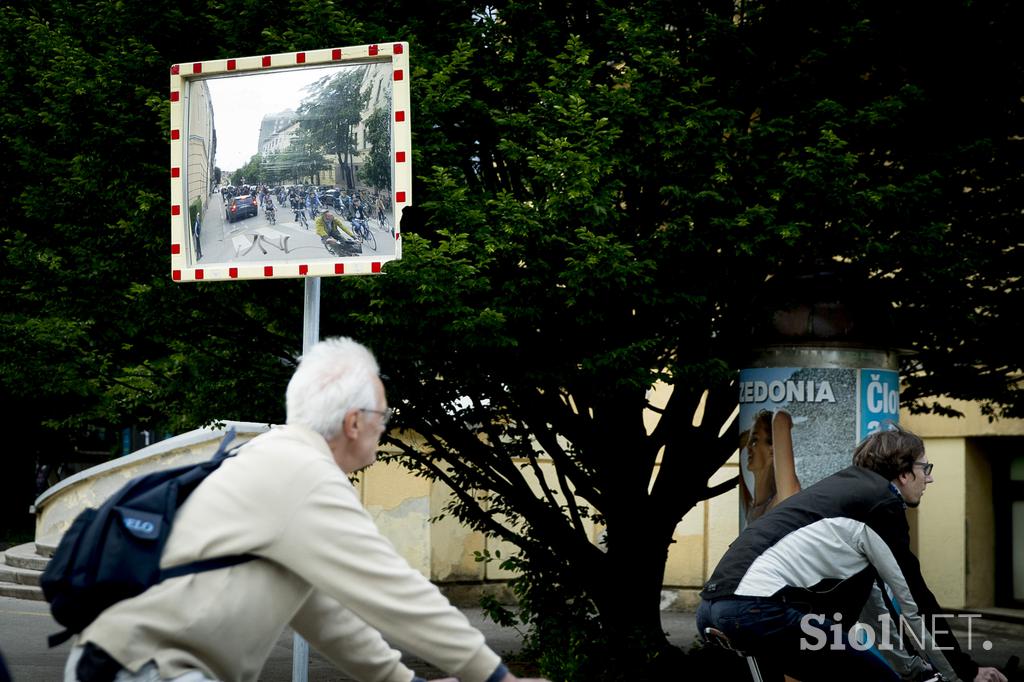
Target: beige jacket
{"type": "Point", "coordinates": [329, 573]}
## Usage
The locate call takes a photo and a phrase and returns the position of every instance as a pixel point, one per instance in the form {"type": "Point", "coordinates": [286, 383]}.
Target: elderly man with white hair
{"type": "Point", "coordinates": [323, 567]}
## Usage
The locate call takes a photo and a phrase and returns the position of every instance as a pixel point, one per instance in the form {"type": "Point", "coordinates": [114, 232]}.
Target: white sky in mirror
{"type": "Point", "coordinates": [240, 102]}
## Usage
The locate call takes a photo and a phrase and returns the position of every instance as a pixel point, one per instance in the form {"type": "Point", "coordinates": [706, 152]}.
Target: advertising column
{"type": "Point", "coordinates": [802, 412]}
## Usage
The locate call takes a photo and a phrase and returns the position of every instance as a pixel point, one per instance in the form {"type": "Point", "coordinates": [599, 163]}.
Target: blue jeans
{"type": "Point", "coordinates": [773, 631]}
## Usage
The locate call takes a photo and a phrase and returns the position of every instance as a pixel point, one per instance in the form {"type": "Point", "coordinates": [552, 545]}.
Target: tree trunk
{"type": "Point", "coordinates": [627, 593]}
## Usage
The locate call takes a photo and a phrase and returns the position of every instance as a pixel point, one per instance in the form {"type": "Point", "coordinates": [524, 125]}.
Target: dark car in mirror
{"type": "Point", "coordinates": [332, 197]}
{"type": "Point", "coordinates": [241, 207]}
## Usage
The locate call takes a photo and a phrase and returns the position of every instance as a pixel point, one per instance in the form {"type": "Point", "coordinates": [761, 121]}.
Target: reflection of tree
{"type": "Point", "coordinates": [252, 171]}
{"type": "Point", "coordinates": [303, 158]}
{"type": "Point", "coordinates": [376, 171]}
{"type": "Point", "coordinates": [330, 116]}
{"type": "Point", "coordinates": [273, 169]}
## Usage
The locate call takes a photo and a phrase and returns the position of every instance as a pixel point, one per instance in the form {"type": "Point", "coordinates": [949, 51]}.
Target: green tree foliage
{"type": "Point", "coordinates": [254, 172]}
{"type": "Point", "coordinates": [87, 300]}
{"type": "Point", "coordinates": [302, 161]}
{"type": "Point", "coordinates": [605, 192]}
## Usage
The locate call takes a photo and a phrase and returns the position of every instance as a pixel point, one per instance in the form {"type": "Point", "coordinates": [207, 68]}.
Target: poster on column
{"type": "Point", "coordinates": [801, 424]}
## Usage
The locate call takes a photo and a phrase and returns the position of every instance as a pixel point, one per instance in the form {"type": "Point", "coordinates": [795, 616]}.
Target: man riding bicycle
{"type": "Point", "coordinates": [795, 581]}
{"type": "Point", "coordinates": [268, 208]}
{"type": "Point", "coordinates": [358, 213]}
{"type": "Point", "coordinates": [330, 230]}
{"type": "Point", "coordinates": [378, 204]}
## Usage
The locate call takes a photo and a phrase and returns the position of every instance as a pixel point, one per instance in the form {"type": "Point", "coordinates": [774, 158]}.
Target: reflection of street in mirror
{"type": "Point", "coordinates": [255, 238]}
{"type": "Point", "coordinates": [314, 138]}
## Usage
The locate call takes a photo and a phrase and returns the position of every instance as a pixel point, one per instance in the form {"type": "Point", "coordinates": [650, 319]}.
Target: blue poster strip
{"type": "Point", "coordinates": [879, 401]}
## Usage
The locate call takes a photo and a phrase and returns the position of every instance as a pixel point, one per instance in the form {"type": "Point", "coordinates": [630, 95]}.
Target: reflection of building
{"type": "Point", "coordinates": [276, 132]}
{"type": "Point", "coordinates": [280, 133]}
{"type": "Point", "coordinates": [201, 147]}
{"type": "Point", "coordinates": [376, 82]}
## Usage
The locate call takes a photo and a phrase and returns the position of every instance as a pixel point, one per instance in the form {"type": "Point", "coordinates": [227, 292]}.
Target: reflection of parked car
{"type": "Point", "coordinates": [331, 197]}
{"type": "Point", "coordinates": [241, 207]}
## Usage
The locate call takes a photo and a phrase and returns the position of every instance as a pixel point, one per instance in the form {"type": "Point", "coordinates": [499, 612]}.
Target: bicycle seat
{"type": "Point", "coordinates": [719, 638]}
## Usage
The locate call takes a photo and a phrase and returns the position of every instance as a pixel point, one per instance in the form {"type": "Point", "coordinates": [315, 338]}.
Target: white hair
{"type": "Point", "coordinates": [334, 377]}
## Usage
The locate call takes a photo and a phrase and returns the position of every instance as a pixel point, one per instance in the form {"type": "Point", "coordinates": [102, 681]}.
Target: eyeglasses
{"type": "Point", "coordinates": [927, 466]}
{"type": "Point", "coordinates": [385, 415]}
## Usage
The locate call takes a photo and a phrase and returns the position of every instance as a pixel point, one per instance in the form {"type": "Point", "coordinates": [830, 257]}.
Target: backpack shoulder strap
{"type": "Point", "coordinates": [204, 565]}
{"type": "Point", "coordinates": [59, 638]}
{"type": "Point", "coordinates": [222, 449]}
{"type": "Point", "coordinates": [213, 563]}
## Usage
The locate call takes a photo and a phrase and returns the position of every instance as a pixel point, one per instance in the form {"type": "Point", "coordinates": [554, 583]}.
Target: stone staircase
{"type": "Point", "coordinates": [20, 568]}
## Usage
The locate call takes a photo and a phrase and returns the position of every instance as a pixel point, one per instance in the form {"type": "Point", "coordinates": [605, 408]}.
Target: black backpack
{"type": "Point", "coordinates": [113, 553]}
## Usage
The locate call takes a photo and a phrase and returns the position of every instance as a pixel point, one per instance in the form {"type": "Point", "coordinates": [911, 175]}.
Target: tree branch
{"type": "Point", "coordinates": [719, 489]}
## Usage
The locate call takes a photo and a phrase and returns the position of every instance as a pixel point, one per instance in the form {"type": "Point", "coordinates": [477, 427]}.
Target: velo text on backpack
{"type": "Point", "coordinates": [113, 552]}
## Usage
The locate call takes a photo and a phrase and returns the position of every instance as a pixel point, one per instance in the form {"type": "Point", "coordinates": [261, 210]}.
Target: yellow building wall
{"type": "Point", "coordinates": [723, 519]}
{"type": "Point", "coordinates": [941, 518]}
{"type": "Point", "coordinates": [956, 520]}
{"type": "Point", "coordinates": [200, 141]}
{"type": "Point", "coordinates": [454, 546]}
{"type": "Point", "coordinates": [684, 568]}
{"type": "Point", "coordinates": [973, 423]}
{"type": "Point", "coordinates": [400, 506]}
{"type": "Point", "coordinates": [980, 529]}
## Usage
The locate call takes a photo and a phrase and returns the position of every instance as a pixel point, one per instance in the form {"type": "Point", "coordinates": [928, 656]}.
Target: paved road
{"type": "Point", "coordinates": [24, 626]}
{"type": "Point", "coordinates": [217, 237]}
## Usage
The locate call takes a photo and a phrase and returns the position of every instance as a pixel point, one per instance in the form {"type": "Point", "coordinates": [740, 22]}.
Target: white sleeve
{"type": "Point", "coordinates": [334, 545]}
{"type": "Point", "coordinates": [352, 646]}
{"type": "Point", "coordinates": [882, 558]}
{"type": "Point", "coordinates": [907, 665]}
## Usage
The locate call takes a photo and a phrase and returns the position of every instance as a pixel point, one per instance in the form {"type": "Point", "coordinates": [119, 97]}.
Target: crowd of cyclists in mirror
{"type": "Point", "coordinates": [310, 202]}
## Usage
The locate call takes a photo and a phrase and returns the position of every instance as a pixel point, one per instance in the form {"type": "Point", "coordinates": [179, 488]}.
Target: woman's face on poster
{"type": "Point", "coordinates": [759, 450]}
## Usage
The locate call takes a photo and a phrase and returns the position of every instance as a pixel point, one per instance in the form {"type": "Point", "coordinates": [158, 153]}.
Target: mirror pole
{"type": "Point", "coordinates": [310, 335]}
{"type": "Point", "coordinates": [300, 658]}
{"type": "Point", "coordinates": [311, 314]}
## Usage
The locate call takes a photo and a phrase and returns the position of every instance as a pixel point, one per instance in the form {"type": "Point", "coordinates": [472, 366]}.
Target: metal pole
{"type": "Point", "coordinates": [311, 314]}
{"type": "Point", "coordinates": [310, 335]}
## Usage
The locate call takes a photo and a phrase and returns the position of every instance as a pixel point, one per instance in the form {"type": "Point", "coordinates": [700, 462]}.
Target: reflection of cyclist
{"type": "Point", "coordinates": [357, 210]}
{"type": "Point", "coordinates": [197, 231]}
{"type": "Point", "coordinates": [358, 216]}
{"type": "Point", "coordinates": [359, 222]}
{"type": "Point", "coordinates": [379, 205]}
{"type": "Point", "coordinates": [268, 208]}
{"type": "Point", "coordinates": [329, 228]}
